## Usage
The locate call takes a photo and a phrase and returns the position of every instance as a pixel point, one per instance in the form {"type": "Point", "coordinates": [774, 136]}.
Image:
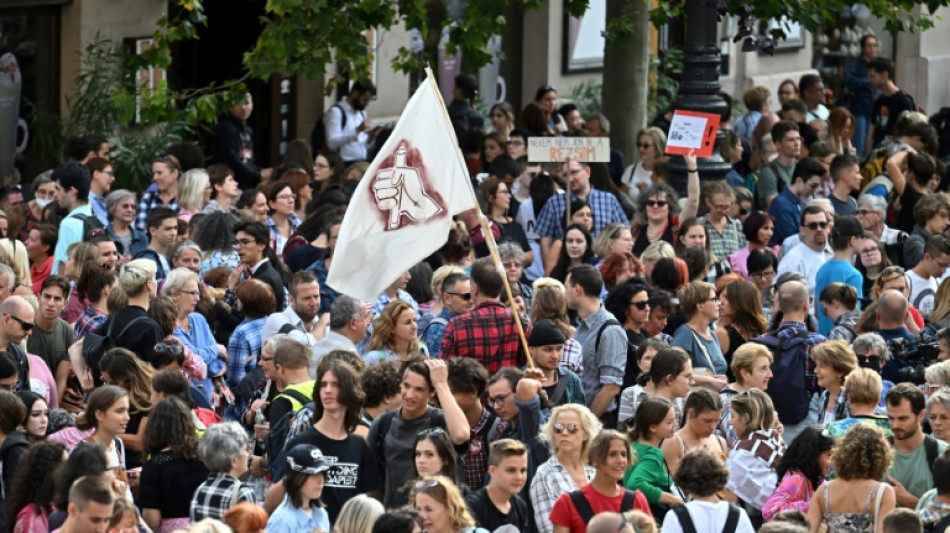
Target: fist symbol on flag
{"type": "Point", "coordinates": [400, 191]}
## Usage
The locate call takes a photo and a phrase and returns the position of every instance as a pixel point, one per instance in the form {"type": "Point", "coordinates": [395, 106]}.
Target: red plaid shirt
{"type": "Point", "coordinates": [487, 333]}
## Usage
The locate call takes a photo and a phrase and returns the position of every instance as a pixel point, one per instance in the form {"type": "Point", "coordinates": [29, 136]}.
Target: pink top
{"type": "Point", "coordinates": [737, 260]}
{"type": "Point", "coordinates": [794, 492]}
{"type": "Point", "coordinates": [39, 372]}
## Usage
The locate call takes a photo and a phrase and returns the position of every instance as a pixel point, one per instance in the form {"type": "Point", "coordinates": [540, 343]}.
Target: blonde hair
{"type": "Point", "coordinates": [642, 523]}
{"type": "Point", "coordinates": [836, 354]}
{"type": "Point", "coordinates": [135, 274]}
{"type": "Point", "coordinates": [191, 189]}
{"type": "Point", "coordinates": [938, 373]}
{"type": "Point", "coordinates": [384, 327]}
{"type": "Point", "coordinates": [358, 515]}
{"type": "Point", "coordinates": [757, 406]}
{"type": "Point", "coordinates": [863, 386]}
{"type": "Point", "coordinates": [444, 491]}
{"type": "Point", "coordinates": [610, 233]}
{"type": "Point", "coordinates": [744, 358]}
{"type": "Point", "coordinates": [660, 249]}
{"type": "Point", "coordinates": [439, 276]}
{"type": "Point", "coordinates": [692, 294]}
{"type": "Point", "coordinates": [589, 423]}
{"type": "Point", "coordinates": [18, 260]}
{"type": "Point", "coordinates": [549, 301]}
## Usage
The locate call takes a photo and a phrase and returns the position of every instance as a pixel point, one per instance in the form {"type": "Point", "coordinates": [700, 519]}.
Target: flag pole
{"type": "Point", "coordinates": [486, 229]}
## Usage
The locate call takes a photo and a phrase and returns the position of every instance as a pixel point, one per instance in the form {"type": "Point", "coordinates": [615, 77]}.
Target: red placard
{"type": "Point", "coordinates": [690, 130]}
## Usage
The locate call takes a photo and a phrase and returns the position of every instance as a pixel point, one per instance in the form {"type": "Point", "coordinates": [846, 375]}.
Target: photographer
{"type": "Point", "coordinates": [891, 311]}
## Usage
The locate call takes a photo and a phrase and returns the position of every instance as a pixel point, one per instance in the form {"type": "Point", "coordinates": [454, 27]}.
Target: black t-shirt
{"type": "Point", "coordinates": [886, 111]}
{"type": "Point", "coordinates": [634, 338]}
{"type": "Point", "coordinates": [352, 471]}
{"type": "Point", "coordinates": [133, 459]}
{"type": "Point", "coordinates": [905, 218]}
{"type": "Point", "coordinates": [511, 231]}
{"type": "Point", "coordinates": [489, 517]}
{"type": "Point", "coordinates": [168, 483]}
{"type": "Point", "coordinates": [140, 339]}
{"type": "Point", "coordinates": [396, 453]}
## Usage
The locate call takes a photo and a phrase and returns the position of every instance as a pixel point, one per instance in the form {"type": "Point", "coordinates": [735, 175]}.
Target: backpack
{"type": "Point", "coordinates": [788, 387]}
{"type": "Point", "coordinates": [584, 510]}
{"type": "Point", "coordinates": [895, 251]}
{"type": "Point", "coordinates": [94, 346]}
{"type": "Point", "coordinates": [318, 137]}
{"type": "Point", "coordinates": [277, 438]}
{"type": "Point", "coordinates": [752, 181]}
{"type": "Point", "coordinates": [940, 526]}
{"type": "Point", "coordinates": [436, 320]}
{"type": "Point", "coordinates": [941, 121]}
{"type": "Point", "coordinates": [873, 166]}
{"type": "Point", "coordinates": [931, 450]}
{"type": "Point", "coordinates": [686, 521]}
{"type": "Point", "coordinates": [385, 422]}
{"type": "Point", "coordinates": [90, 223]}
{"type": "Point", "coordinates": [9, 444]}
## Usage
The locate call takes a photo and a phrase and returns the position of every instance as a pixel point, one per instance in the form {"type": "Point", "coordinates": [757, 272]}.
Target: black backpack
{"type": "Point", "coordinates": [940, 526]}
{"type": "Point", "coordinates": [90, 223]}
{"type": "Point", "coordinates": [318, 137]}
{"type": "Point", "coordinates": [584, 510]}
{"type": "Point", "coordinates": [277, 438]}
{"type": "Point", "coordinates": [686, 521]}
{"type": "Point", "coordinates": [788, 387]}
{"type": "Point", "coordinates": [94, 346]}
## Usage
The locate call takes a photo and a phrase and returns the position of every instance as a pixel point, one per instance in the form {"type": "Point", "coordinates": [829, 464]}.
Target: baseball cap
{"type": "Point", "coordinates": [307, 459]}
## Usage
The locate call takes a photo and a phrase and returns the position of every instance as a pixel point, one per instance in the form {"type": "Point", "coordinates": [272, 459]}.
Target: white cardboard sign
{"type": "Point", "coordinates": [553, 149]}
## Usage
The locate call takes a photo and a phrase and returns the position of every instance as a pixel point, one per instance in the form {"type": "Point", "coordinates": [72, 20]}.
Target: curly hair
{"type": "Point", "coordinates": [618, 299]}
{"type": "Point", "coordinates": [863, 453]}
{"type": "Point", "coordinates": [34, 480]}
{"type": "Point", "coordinates": [589, 422]}
{"type": "Point", "coordinates": [701, 473]}
{"type": "Point", "coordinates": [86, 460]}
{"type": "Point", "coordinates": [444, 491]}
{"type": "Point", "coordinates": [802, 455]}
{"type": "Point", "coordinates": [384, 327]}
{"type": "Point", "coordinates": [380, 381]}
{"type": "Point", "coordinates": [662, 190]}
{"type": "Point", "coordinates": [170, 426]}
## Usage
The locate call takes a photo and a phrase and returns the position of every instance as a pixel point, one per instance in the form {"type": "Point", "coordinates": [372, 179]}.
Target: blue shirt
{"type": "Point", "coordinates": [603, 205]}
{"type": "Point", "coordinates": [434, 332]}
{"type": "Point", "coordinates": [70, 231]}
{"type": "Point", "coordinates": [98, 205]}
{"type": "Point", "coordinates": [786, 209]}
{"type": "Point", "coordinates": [150, 200]}
{"type": "Point", "coordinates": [200, 340]}
{"type": "Point", "coordinates": [289, 519]}
{"type": "Point", "coordinates": [244, 348]}
{"type": "Point", "coordinates": [687, 339]}
{"type": "Point", "coordinates": [834, 270]}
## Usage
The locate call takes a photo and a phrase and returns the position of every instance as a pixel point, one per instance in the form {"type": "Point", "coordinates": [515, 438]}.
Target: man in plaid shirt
{"type": "Point", "coordinates": [488, 332]}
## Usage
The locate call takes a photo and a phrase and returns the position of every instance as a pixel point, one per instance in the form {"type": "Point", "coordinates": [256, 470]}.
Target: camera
{"type": "Point", "coordinates": [913, 357]}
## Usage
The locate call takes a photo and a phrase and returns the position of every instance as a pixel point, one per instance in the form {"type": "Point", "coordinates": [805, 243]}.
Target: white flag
{"type": "Point", "coordinates": [403, 207]}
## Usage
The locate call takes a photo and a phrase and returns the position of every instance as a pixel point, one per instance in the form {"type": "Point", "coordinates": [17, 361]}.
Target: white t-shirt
{"type": "Point", "coordinates": [634, 175]}
{"type": "Point", "coordinates": [707, 518]}
{"type": "Point", "coordinates": [803, 259]}
{"type": "Point", "coordinates": [922, 292]}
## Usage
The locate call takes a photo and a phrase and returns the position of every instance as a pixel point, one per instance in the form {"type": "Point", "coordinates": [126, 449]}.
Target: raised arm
{"type": "Point", "coordinates": [455, 420]}
{"type": "Point", "coordinates": [692, 187]}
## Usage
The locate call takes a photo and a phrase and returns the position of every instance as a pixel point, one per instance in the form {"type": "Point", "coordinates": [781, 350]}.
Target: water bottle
{"type": "Point", "coordinates": [258, 420]}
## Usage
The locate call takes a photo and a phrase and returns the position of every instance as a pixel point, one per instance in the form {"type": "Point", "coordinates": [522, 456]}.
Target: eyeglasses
{"type": "Point", "coordinates": [511, 265]}
{"type": "Point", "coordinates": [286, 196]}
{"type": "Point", "coordinates": [743, 211]}
{"type": "Point", "coordinates": [657, 203]}
{"type": "Point", "coordinates": [195, 294]}
{"type": "Point", "coordinates": [498, 400]}
{"type": "Point", "coordinates": [722, 207]}
{"type": "Point", "coordinates": [96, 233]}
{"type": "Point", "coordinates": [870, 251]}
{"type": "Point", "coordinates": [245, 242]}
{"type": "Point", "coordinates": [645, 146]}
{"type": "Point", "coordinates": [463, 295]}
{"type": "Point", "coordinates": [571, 429]}
{"type": "Point", "coordinates": [815, 226]}
{"type": "Point", "coordinates": [27, 326]}
{"type": "Point", "coordinates": [506, 192]}
{"type": "Point", "coordinates": [763, 275]}
{"type": "Point", "coordinates": [641, 305]}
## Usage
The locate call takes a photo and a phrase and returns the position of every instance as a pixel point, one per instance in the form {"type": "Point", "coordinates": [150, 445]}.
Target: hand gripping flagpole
{"type": "Point", "coordinates": [483, 220]}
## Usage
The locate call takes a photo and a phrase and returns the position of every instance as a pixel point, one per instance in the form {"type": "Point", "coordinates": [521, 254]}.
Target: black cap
{"type": "Point", "coordinates": [545, 333]}
{"type": "Point", "coordinates": [848, 226]}
{"type": "Point", "coordinates": [307, 459]}
{"type": "Point", "coordinates": [467, 84]}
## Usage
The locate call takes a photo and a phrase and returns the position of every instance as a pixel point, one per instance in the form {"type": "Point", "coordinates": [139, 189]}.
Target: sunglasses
{"type": "Point", "coordinates": [657, 203]}
{"type": "Point", "coordinates": [571, 429]}
{"type": "Point", "coordinates": [27, 326]}
{"type": "Point", "coordinates": [172, 349]}
{"type": "Point", "coordinates": [432, 432]}
{"type": "Point", "coordinates": [892, 271]}
{"type": "Point", "coordinates": [426, 484]}
{"type": "Point", "coordinates": [814, 226]}
{"type": "Point", "coordinates": [640, 305]}
{"type": "Point", "coordinates": [463, 295]}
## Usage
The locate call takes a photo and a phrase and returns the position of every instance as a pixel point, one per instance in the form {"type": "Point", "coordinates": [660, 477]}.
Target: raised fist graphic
{"type": "Point", "coordinates": [400, 191]}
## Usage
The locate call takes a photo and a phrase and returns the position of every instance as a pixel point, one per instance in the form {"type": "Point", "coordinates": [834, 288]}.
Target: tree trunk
{"type": "Point", "coordinates": [626, 76]}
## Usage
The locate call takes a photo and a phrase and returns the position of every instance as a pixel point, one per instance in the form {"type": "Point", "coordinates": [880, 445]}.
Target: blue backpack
{"type": "Point", "coordinates": [788, 387]}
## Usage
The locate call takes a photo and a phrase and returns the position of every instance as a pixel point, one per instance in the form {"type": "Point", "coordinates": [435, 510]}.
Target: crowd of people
{"type": "Point", "coordinates": [767, 353]}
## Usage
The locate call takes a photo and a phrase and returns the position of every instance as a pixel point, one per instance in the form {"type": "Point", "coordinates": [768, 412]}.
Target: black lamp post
{"type": "Point", "coordinates": [699, 87]}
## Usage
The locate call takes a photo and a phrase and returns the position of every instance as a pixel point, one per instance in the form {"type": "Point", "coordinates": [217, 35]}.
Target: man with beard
{"type": "Point", "coordinates": [914, 452]}
{"type": "Point", "coordinates": [299, 319]}
{"type": "Point", "coordinates": [349, 132]}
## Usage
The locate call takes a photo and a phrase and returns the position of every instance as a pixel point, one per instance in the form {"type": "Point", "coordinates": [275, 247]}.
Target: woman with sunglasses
{"type": "Point", "coordinates": [651, 143]}
{"type": "Point", "coordinates": [442, 507]}
{"type": "Point", "coordinates": [610, 456]}
{"type": "Point", "coordinates": [654, 422]}
{"type": "Point", "coordinates": [434, 455]}
{"type": "Point", "coordinates": [568, 432]}
{"type": "Point", "coordinates": [658, 211]}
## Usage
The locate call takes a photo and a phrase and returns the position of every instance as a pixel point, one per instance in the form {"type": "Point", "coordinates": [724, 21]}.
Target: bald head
{"type": "Point", "coordinates": [792, 297]}
{"type": "Point", "coordinates": [14, 305]}
{"type": "Point", "coordinates": [608, 522]}
{"type": "Point", "coordinates": [891, 309]}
